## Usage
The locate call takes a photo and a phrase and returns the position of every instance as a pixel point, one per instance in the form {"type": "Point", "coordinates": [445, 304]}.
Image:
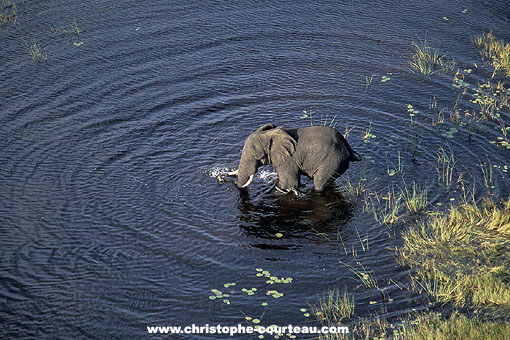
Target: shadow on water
{"type": "Point", "coordinates": [274, 213]}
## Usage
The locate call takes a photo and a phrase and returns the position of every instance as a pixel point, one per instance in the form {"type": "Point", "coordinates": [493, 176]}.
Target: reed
{"type": "Point", "coordinates": [8, 12]}
{"type": "Point", "coordinates": [36, 51]}
{"type": "Point", "coordinates": [414, 198]}
{"type": "Point", "coordinates": [445, 166]}
{"type": "Point", "coordinates": [390, 213]}
{"type": "Point", "coordinates": [496, 51]}
{"type": "Point", "coordinates": [487, 173]}
{"type": "Point", "coordinates": [335, 308]}
{"type": "Point", "coordinates": [427, 60]}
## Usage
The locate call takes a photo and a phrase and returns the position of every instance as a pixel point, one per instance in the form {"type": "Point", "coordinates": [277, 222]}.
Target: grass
{"type": "Point", "coordinates": [496, 51]}
{"type": "Point", "coordinates": [335, 308]}
{"type": "Point", "coordinates": [429, 326]}
{"type": "Point", "coordinates": [367, 135]}
{"type": "Point", "coordinates": [365, 276]}
{"type": "Point", "coordinates": [427, 60]}
{"type": "Point", "coordinates": [36, 51]}
{"type": "Point", "coordinates": [414, 198]}
{"type": "Point", "coordinates": [445, 166]}
{"type": "Point", "coordinates": [492, 99]}
{"type": "Point", "coordinates": [396, 169]}
{"type": "Point", "coordinates": [457, 326]}
{"type": "Point", "coordinates": [72, 30]}
{"type": "Point", "coordinates": [487, 174]}
{"type": "Point", "coordinates": [8, 12]}
{"type": "Point", "coordinates": [390, 212]}
{"type": "Point", "coordinates": [462, 257]}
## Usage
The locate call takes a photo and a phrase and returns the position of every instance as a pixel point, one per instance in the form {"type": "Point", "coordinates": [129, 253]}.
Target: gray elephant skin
{"type": "Point", "coordinates": [319, 152]}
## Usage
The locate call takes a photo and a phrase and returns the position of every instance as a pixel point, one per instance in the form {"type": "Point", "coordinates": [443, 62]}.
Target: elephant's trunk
{"type": "Point", "coordinates": [247, 169]}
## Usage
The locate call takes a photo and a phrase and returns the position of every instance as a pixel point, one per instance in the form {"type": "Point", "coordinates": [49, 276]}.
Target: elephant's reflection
{"type": "Point", "coordinates": [267, 214]}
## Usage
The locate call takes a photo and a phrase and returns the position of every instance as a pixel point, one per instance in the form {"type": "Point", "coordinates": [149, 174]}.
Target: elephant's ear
{"type": "Point", "coordinates": [280, 146]}
{"type": "Point", "coordinates": [265, 127]}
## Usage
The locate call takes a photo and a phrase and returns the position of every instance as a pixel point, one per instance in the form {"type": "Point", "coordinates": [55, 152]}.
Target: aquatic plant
{"type": "Point", "coordinates": [365, 276]}
{"type": "Point", "coordinates": [395, 169]}
{"type": "Point", "coordinates": [487, 173]}
{"type": "Point", "coordinates": [445, 166]}
{"type": "Point", "coordinates": [367, 135]}
{"type": "Point", "coordinates": [36, 51]}
{"type": "Point", "coordinates": [334, 308]}
{"type": "Point", "coordinates": [347, 130]}
{"type": "Point", "coordinates": [307, 114]}
{"type": "Point", "coordinates": [218, 294]}
{"type": "Point", "coordinates": [368, 81]}
{"type": "Point", "coordinates": [412, 112]}
{"type": "Point", "coordinates": [8, 12]}
{"type": "Point", "coordinates": [496, 51]}
{"type": "Point", "coordinates": [271, 279]}
{"type": "Point", "coordinates": [390, 212]}
{"type": "Point", "coordinates": [72, 30]}
{"type": "Point", "coordinates": [414, 199]}
{"type": "Point", "coordinates": [427, 60]}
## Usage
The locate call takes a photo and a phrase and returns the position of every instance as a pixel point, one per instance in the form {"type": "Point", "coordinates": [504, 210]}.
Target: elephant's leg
{"type": "Point", "coordinates": [325, 175]}
{"type": "Point", "coordinates": [288, 178]}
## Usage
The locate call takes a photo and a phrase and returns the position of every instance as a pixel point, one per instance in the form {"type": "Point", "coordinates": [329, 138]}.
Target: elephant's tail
{"type": "Point", "coordinates": [355, 157]}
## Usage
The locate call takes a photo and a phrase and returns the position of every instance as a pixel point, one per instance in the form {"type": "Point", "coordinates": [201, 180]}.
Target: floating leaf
{"type": "Point", "coordinates": [78, 43]}
{"type": "Point", "coordinates": [278, 235]}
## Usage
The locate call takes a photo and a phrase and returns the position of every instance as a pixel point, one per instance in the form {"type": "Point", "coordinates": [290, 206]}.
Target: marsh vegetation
{"type": "Point", "coordinates": [8, 12]}
{"type": "Point", "coordinates": [457, 257]}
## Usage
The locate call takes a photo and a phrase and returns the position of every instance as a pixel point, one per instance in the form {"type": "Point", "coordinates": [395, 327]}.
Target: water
{"type": "Point", "coordinates": [110, 214]}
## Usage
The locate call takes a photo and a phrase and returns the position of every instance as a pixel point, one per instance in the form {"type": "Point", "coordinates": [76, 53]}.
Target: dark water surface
{"type": "Point", "coordinates": [111, 219]}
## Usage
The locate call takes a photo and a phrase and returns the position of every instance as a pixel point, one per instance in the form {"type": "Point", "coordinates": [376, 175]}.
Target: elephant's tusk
{"type": "Point", "coordinates": [249, 181]}
{"type": "Point", "coordinates": [233, 173]}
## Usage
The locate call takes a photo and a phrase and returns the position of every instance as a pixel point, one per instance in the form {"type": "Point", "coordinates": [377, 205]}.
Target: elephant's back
{"type": "Point", "coordinates": [318, 145]}
{"type": "Point", "coordinates": [321, 134]}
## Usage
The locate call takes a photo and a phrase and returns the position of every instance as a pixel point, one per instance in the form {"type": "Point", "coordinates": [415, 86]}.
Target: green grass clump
{"type": "Point", "coordinates": [456, 327]}
{"type": "Point", "coordinates": [445, 165]}
{"type": "Point", "coordinates": [335, 308]}
{"type": "Point", "coordinates": [414, 198]}
{"type": "Point", "coordinates": [427, 60]}
{"type": "Point", "coordinates": [8, 12]}
{"type": "Point", "coordinates": [496, 51]}
{"type": "Point", "coordinates": [462, 258]}
{"type": "Point", "coordinates": [36, 51]}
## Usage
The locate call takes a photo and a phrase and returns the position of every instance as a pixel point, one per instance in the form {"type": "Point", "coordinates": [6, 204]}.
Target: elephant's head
{"type": "Point", "coordinates": [267, 145]}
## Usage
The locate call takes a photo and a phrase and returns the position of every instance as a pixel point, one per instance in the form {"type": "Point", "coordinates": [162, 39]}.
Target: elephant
{"type": "Point", "coordinates": [319, 152]}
